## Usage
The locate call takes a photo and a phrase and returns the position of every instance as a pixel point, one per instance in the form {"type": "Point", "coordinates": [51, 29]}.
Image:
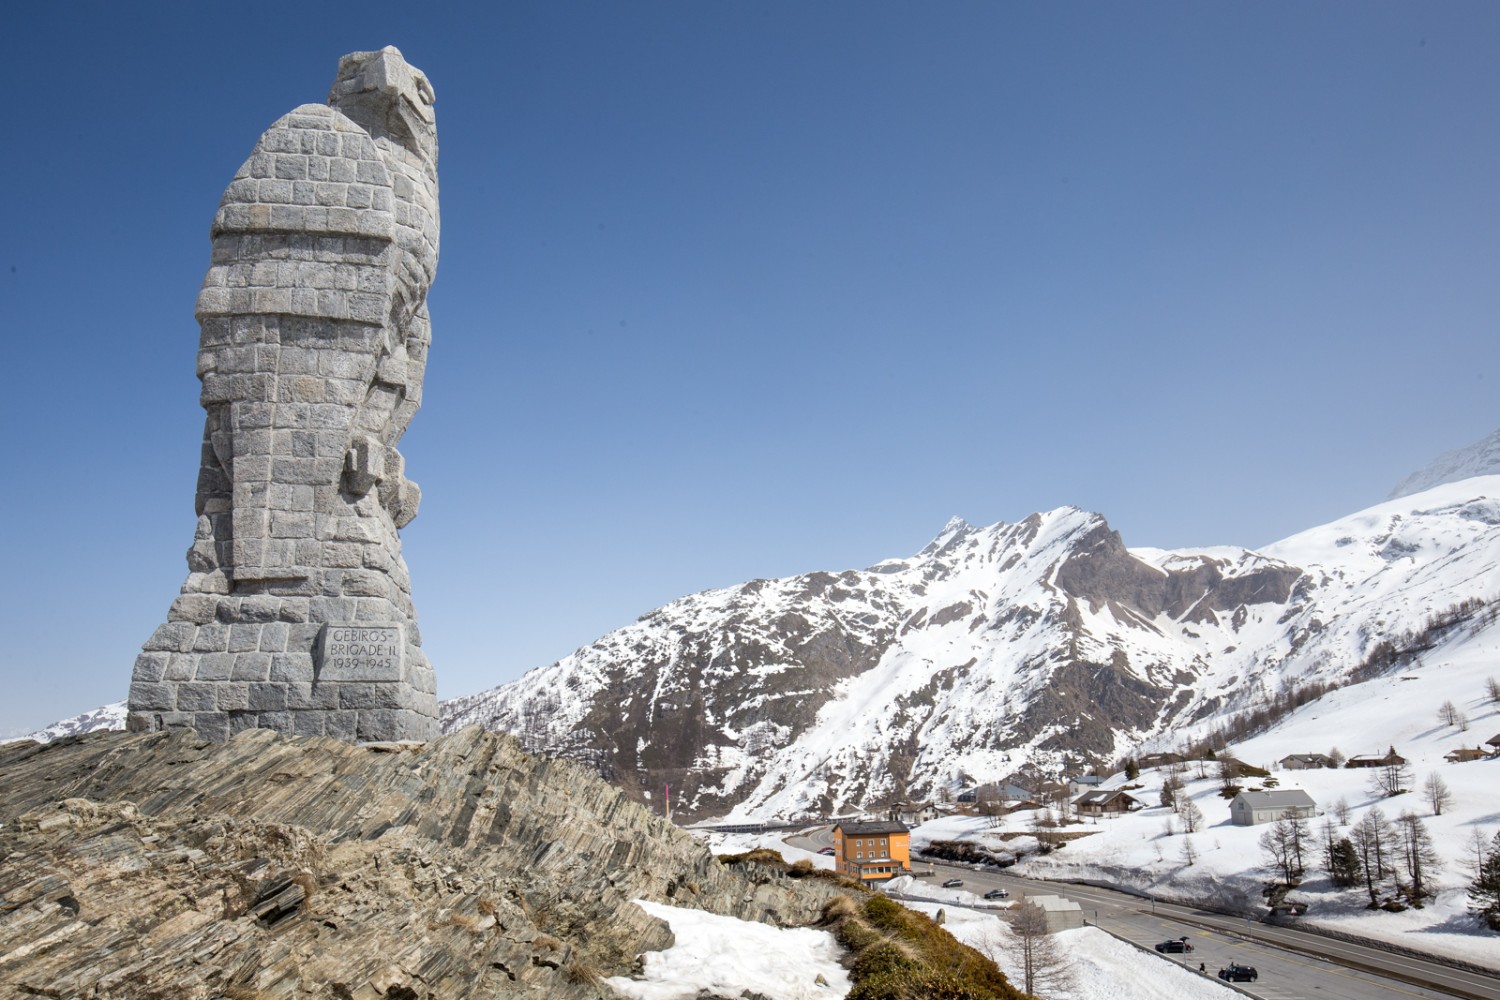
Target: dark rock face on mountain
{"type": "Point", "coordinates": [703, 693]}
{"type": "Point", "coordinates": [160, 865]}
{"type": "Point", "coordinates": [1027, 648]}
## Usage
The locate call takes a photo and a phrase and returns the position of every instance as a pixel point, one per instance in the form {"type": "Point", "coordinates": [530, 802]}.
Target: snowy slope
{"type": "Point", "coordinates": [1035, 646]}
{"type": "Point", "coordinates": [1401, 710]}
{"type": "Point", "coordinates": [1482, 458]}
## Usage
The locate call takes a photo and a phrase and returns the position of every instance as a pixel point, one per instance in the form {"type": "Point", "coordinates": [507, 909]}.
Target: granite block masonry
{"type": "Point", "coordinates": [297, 612]}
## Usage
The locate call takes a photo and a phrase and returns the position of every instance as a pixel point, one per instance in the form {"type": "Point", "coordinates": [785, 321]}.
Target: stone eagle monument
{"type": "Point", "coordinates": [297, 613]}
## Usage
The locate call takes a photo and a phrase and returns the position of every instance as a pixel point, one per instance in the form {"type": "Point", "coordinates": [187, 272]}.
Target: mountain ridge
{"type": "Point", "coordinates": [1032, 647]}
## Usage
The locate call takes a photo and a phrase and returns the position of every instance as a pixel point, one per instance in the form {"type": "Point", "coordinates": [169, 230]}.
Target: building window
{"type": "Point", "coordinates": [859, 854]}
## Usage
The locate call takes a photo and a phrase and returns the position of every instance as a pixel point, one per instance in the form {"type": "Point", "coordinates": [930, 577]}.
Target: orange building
{"type": "Point", "coordinates": [872, 852]}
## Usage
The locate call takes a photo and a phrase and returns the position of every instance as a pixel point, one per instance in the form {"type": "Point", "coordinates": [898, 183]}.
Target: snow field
{"type": "Point", "coordinates": [1103, 967]}
{"type": "Point", "coordinates": [729, 956]}
{"type": "Point", "coordinates": [1230, 871]}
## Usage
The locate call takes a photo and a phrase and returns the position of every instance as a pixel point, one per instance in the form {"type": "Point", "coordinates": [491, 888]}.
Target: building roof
{"type": "Point", "coordinates": [871, 829]}
{"type": "Point", "coordinates": [1280, 798]}
{"type": "Point", "coordinates": [1053, 903]}
{"type": "Point", "coordinates": [1315, 758]}
{"type": "Point", "coordinates": [1087, 779]}
{"type": "Point", "coordinates": [1100, 796]}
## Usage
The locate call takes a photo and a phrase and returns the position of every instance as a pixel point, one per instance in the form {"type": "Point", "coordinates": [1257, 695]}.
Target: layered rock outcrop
{"type": "Point", "coordinates": [163, 865]}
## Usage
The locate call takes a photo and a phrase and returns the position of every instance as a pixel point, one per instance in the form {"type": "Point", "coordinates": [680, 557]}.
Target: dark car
{"type": "Point", "coordinates": [828, 851]}
{"type": "Point", "coordinates": [1238, 974]}
{"type": "Point", "coordinates": [1175, 945]}
{"type": "Point", "coordinates": [997, 894]}
{"type": "Point", "coordinates": [953, 883]}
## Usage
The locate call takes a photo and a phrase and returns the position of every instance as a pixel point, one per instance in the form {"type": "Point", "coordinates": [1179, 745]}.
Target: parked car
{"type": "Point", "coordinates": [1238, 973]}
{"type": "Point", "coordinates": [828, 851]}
{"type": "Point", "coordinates": [953, 883]}
{"type": "Point", "coordinates": [997, 894]}
{"type": "Point", "coordinates": [1175, 945]}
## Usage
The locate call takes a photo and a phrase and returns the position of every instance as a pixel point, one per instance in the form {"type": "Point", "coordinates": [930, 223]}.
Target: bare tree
{"type": "Point", "coordinates": [1492, 689]}
{"type": "Point", "coordinates": [1417, 854]}
{"type": "Point", "coordinates": [1168, 828]}
{"type": "Point", "coordinates": [1278, 846]}
{"type": "Point", "coordinates": [1475, 849]}
{"type": "Point", "coordinates": [1192, 816]}
{"type": "Point", "coordinates": [1335, 757]}
{"type": "Point", "coordinates": [1448, 713]}
{"type": "Point", "coordinates": [1301, 838]}
{"type": "Point", "coordinates": [1462, 722]}
{"type": "Point", "coordinates": [1045, 969]}
{"type": "Point", "coordinates": [1391, 778]}
{"type": "Point", "coordinates": [1341, 811]}
{"type": "Point", "coordinates": [1438, 795]}
{"type": "Point", "coordinates": [1229, 776]}
{"type": "Point", "coordinates": [1371, 838]}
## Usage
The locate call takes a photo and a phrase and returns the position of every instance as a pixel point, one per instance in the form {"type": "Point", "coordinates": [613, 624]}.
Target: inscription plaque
{"type": "Point", "coordinates": [364, 652]}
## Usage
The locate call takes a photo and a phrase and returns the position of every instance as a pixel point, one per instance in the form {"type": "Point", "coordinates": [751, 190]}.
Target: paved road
{"type": "Point", "coordinates": [1293, 964]}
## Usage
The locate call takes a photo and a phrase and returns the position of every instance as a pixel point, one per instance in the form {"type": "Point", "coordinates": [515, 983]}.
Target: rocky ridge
{"type": "Point", "coordinates": [1027, 647]}
{"type": "Point", "coordinates": [161, 865]}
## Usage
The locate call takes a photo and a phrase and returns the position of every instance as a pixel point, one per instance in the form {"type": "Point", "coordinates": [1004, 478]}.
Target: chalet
{"type": "Point", "coordinates": [1493, 744]}
{"type": "Point", "coordinates": [1387, 759]}
{"type": "Point", "coordinates": [1464, 754]}
{"type": "Point", "coordinates": [1083, 783]}
{"type": "Point", "coordinates": [1305, 761]}
{"type": "Point", "coordinates": [914, 813]}
{"type": "Point", "coordinates": [872, 852]}
{"type": "Point", "coordinates": [1254, 808]}
{"type": "Point", "coordinates": [1102, 802]}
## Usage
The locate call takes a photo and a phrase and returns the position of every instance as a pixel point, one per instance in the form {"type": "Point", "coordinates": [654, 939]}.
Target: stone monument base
{"type": "Point", "coordinates": [226, 664]}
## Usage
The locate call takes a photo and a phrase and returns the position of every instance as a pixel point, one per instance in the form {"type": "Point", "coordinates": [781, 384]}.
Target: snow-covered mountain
{"type": "Point", "coordinates": [1482, 458]}
{"type": "Point", "coordinates": [111, 716]}
{"type": "Point", "coordinates": [1031, 646]}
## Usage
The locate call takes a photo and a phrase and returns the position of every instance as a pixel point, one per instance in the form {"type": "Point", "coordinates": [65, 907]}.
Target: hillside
{"type": "Point", "coordinates": [1031, 648]}
{"type": "Point", "coordinates": [1148, 850]}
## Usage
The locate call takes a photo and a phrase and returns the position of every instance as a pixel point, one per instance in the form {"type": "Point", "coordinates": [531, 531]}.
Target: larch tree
{"type": "Point", "coordinates": [1371, 839]}
{"type": "Point", "coordinates": [1419, 858]}
{"type": "Point", "coordinates": [1438, 795]}
{"type": "Point", "coordinates": [1045, 969]}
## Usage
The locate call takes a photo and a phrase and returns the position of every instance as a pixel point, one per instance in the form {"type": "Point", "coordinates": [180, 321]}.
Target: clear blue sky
{"type": "Point", "coordinates": [737, 290]}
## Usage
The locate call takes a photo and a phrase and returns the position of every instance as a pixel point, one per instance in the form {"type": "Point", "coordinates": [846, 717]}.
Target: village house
{"type": "Point", "coordinates": [1465, 754]}
{"type": "Point", "coordinates": [872, 852]}
{"type": "Point", "coordinates": [1254, 808]}
{"type": "Point", "coordinates": [1493, 743]}
{"type": "Point", "coordinates": [914, 813]}
{"type": "Point", "coordinates": [1387, 759]}
{"type": "Point", "coordinates": [1062, 914]}
{"type": "Point", "coordinates": [1102, 802]}
{"type": "Point", "coordinates": [1304, 761]}
{"type": "Point", "coordinates": [1083, 783]}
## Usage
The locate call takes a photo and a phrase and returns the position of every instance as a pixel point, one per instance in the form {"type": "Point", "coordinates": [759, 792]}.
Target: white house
{"type": "Point", "coordinates": [1062, 913]}
{"type": "Point", "coordinates": [1083, 783]}
{"type": "Point", "coordinates": [1254, 808]}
